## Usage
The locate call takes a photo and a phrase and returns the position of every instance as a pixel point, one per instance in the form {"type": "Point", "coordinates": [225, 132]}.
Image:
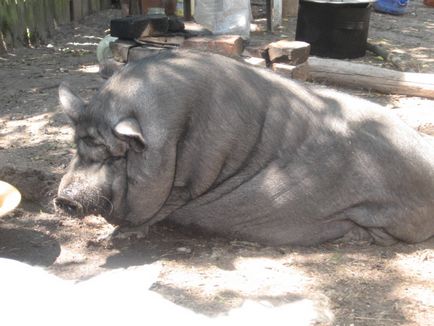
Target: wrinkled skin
{"type": "Point", "coordinates": [206, 141]}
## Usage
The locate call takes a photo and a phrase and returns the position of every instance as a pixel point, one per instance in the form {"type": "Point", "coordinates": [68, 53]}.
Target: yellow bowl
{"type": "Point", "coordinates": [10, 197]}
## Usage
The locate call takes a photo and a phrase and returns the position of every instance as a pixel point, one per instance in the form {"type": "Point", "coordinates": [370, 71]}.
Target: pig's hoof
{"type": "Point", "coordinates": [119, 235]}
{"type": "Point", "coordinates": [130, 232]}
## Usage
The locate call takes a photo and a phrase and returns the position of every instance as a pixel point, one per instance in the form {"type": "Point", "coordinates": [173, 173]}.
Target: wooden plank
{"type": "Point", "coordinates": [277, 13]}
{"type": "Point", "coordinates": [105, 4]}
{"type": "Point", "coordinates": [85, 6]}
{"type": "Point", "coordinates": [77, 12]}
{"type": "Point", "coordinates": [48, 15]}
{"type": "Point", "coordinates": [4, 28]}
{"type": "Point", "coordinates": [3, 45]}
{"type": "Point", "coordinates": [27, 22]}
{"type": "Point", "coordinates": [37, 24]}
{"type": "Point", "coordinates": [358, 75]}
{"type": "Point", "coordinates": [94, 6]}
{"type": "Point", "coordinates": [187, 10]}
{"type": "Point", "coordinates": [29, 10]}
{"type": "Point", "coordinates": [66, 17]}
{"type": "Point", "coordinates": [61, 12]}
{"type": "Point", "coordinates": [163, 40]}
{"type": "Point", "coordinates": [20, 29]}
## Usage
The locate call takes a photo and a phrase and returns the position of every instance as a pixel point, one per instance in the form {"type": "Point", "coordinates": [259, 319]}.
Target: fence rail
{"type": "Point", "coordinates": [29, 22]}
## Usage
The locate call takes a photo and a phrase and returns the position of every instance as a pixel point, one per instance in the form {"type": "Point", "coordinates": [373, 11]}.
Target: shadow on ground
{"type": "Point", "coordinates": [28, 246]}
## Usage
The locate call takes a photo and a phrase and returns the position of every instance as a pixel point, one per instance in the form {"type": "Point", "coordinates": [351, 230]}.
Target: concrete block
{"type": "Point", "coordinates": [291, 52]}
{"type": "Point", "coordinates": [120, 49]}
{"type": "Point", "coordinates": [258, 51]}
{"type": "Point", "coordinates": [195, 29]}
{"type": "Point", "coordinates": [257, 62]}
{"type": "Point", "coordinates": [299, 72]}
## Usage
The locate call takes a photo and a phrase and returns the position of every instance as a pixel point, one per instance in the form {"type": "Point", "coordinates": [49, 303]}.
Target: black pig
{"type": "Point", "coordinates": [205, 140]}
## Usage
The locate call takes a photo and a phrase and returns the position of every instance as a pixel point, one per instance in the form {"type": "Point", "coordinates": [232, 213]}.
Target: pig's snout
{"type": "Point", "coordinates": [68, 206]}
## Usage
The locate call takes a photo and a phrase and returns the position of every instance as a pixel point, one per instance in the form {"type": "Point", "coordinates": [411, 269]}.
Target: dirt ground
{"type": "Point", "coordinates": [349, 284]}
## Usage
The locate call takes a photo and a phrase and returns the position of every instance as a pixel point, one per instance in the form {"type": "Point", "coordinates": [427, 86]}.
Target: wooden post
{"type": "Point", "coordinates": [61, 12]}
{"type": "Point", "coordinates": [268, 11]}
{"type": "Point", "coordinates": [289, 8]}
{"type": "Point", "coordinates": [3, 46]}
{"type": "Point", "coordinates": [19, 30]}
{"type": "Point", "coordinates": [77, 12]}
{"type": "Point", "coordinates": [135, 7]}
{"type": "Point", "coordinates": [277, 13]}
{"type": "Point", "coordinates": [85, 8]}
{"type": "Point", "coordinates": [29, 28]}
{"type": "Point", "coordinates": [94, 6]}
{"type": "Point", "coordinates": [187, 10]}
{"type": "Point", "coordinates": [106, 4]}
{"type": "Point", "coordinates": [48, 17]}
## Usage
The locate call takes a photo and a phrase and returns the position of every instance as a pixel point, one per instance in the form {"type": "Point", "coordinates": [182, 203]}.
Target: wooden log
{"type": "Point", "coordinates": [358, 75]}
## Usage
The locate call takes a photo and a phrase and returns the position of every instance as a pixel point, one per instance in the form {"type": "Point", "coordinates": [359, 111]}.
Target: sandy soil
{"type": "Point", "coordinates": [348, 284]}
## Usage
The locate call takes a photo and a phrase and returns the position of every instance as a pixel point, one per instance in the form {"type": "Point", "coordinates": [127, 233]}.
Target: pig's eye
{"type": "Point", "coordinates": [89, 141]}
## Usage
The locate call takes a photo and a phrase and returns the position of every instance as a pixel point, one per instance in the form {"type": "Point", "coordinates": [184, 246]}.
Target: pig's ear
{"type": "Point", "coordinates": [71, 103]}
{"type": "Point", "coordinates": [129, 130]}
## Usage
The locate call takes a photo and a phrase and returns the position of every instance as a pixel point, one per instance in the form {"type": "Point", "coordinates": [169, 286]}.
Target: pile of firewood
{"type": "Point", "coordinates": [142, 36]}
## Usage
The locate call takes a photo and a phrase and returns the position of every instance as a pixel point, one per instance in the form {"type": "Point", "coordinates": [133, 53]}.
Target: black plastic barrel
{"type": "Point", "coordinates": [334, 30]}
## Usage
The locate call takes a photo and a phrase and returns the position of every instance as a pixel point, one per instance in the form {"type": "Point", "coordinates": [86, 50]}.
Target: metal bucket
{"type": "Point", "coordinates": [335, 29]}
